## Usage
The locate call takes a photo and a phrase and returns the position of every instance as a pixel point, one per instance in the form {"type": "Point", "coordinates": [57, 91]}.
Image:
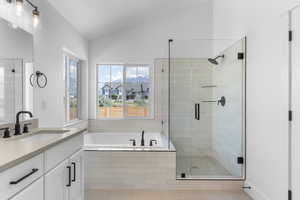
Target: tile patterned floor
{"type": "Point", "coordinates": [165, 195]}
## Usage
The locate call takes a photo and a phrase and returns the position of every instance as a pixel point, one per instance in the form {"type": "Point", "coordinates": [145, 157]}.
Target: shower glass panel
{"type": "Point", "coordinates": [207, 108]}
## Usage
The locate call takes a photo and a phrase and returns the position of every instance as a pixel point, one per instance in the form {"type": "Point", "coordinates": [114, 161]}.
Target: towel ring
{"type": "Point", "coordinates": [39, 78]}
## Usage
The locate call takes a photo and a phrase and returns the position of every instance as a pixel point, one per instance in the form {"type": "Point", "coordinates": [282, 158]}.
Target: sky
{"type": "Point", "coordinates": [117, 73]}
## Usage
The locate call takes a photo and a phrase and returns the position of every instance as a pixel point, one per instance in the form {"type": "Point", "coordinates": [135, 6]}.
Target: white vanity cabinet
{"type": "Point", "coordinates": [65, 182]}
{"type": "Point", "coordinates": [64, 177]}
{"type": "Point", "coordinates": [15, 179]}
{"type": "Point", "coordinates": [55, 174]}
{"type": "Point", "coordinates": [76, 189]}
{"type": "Point", "coordinates": [33, 192]}
{"type": "Point", "coordinates": [56, 183]}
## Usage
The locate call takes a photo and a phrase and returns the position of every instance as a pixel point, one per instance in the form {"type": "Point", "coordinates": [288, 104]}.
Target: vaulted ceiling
{"type": "Point", "coordinates": [95, 18]}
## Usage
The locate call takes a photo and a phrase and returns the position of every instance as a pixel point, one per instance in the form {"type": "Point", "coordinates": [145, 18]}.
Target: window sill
{"type": "Point", "coordinates": [125, 119]}
{"type": "Point", "coordinates": [72, 123]}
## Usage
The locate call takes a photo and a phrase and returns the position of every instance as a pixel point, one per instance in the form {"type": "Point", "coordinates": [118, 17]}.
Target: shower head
{"type": "Point", "coordinates": [214, 60]}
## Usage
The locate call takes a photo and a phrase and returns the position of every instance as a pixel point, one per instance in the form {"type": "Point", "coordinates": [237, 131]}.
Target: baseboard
{"type": "Point", "coordinates": [254, 192]}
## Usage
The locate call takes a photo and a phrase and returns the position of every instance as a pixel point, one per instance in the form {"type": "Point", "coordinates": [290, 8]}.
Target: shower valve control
{"type": "Point", "coordinates": [241, 56]}
{"type": "Point", "coordinates": [222, 101]}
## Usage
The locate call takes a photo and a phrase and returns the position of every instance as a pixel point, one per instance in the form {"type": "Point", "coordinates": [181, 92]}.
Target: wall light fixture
{"type": "Point", "coordinates": [20, 8]}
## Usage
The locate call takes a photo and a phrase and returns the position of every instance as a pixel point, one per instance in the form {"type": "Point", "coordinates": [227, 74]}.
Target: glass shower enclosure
{"type": "Point", "coordinates": [206, 107]}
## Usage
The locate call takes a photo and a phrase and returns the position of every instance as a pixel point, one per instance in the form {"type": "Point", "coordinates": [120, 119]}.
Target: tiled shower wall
{"type": "Point", "coordinates": [227, 134]}
{"type": "Point", "coordinates": [188, 80]}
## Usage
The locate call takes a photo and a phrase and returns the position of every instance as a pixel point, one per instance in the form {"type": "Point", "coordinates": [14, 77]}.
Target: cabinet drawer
{"type": "Point", "coordinates": [32, 192]}
{"type": "Point", "coordinates": [18, 177]}
{"type": "Point", "coordinates": [62, 151]}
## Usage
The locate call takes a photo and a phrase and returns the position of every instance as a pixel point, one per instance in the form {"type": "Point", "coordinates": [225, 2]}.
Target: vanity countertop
{"type": "Point", "coordinates": [20, 148]}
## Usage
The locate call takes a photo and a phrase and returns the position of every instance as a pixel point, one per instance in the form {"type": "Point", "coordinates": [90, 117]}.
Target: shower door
{"type": "Point", "coordinates": [207, 114]}
{"type": "Point", "coordinates": [191, 122]}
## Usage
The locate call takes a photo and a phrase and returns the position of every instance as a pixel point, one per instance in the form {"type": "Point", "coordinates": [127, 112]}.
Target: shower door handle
{"type": "Point", "coordinates": [197, 111]}
{"type": "Point", "coordinates": [198, 117]}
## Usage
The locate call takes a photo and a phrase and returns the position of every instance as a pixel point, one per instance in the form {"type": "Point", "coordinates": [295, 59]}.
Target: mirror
{"type": "Point", "coordinates": [16, 66]}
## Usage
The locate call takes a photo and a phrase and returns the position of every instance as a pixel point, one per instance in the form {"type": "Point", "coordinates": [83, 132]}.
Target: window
{"type": "Point", "coordinates": [124, 91]}
{"type": "Point", "coordinates": [72, 98]}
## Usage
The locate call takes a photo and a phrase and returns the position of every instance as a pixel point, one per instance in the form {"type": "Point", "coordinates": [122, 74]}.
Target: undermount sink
{"type": "Point", "coordinates": [38, 137]}
{"type": "Point", "coordinates": [53, 132]}
{"type": "Point", "coordinates": [43, 135]}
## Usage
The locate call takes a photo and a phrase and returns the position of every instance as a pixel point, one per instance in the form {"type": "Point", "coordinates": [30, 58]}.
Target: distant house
{"type": "Point", "coordinates": [118, 90]}
{"type": "Point", "coordinates": [139, 91]}
{"type": "Point", "coordinates": [108, 90]}
{"type": "Point", "coordinates": [130, 94]}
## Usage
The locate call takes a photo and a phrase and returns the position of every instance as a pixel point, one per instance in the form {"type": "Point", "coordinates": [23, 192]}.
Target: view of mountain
{"type": "Point", "coordinates": [139, 79]}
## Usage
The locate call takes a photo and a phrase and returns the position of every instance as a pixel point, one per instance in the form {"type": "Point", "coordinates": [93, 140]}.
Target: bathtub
{"type": "Point", "coordinates": [113, 141]}
{"type": "Point", "coordinates": [111, 162]}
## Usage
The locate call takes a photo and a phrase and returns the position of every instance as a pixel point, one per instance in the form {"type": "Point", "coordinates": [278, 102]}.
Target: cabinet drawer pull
{"type": "Point", "coordinates": [74, 168]}
{"type": "Point", "coordinates": [69, 169]}
{"type": "Point", "coordinates": [24, 177]}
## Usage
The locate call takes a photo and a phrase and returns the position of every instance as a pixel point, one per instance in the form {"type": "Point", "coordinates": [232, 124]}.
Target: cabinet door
{"type": "Point", "coordinates": [56, 182]}
{"type": "Point", "coordinates": [295, 136]}
{"type": "Point", "coordinates": [76, 163]}
{"type": "Point", "coordinates": [33, 192]}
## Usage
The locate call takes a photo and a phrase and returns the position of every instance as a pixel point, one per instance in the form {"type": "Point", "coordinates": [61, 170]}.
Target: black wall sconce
{"type": "Point", "coordinates": [19, 9]}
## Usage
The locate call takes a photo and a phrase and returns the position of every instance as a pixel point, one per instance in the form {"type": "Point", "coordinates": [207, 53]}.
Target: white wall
{"type": "Point", "coordinates": [265, 23]}
{"type": "Point", "coordinates": [144, 43]}
{"type": "Point", "coordinates": [50, 38]}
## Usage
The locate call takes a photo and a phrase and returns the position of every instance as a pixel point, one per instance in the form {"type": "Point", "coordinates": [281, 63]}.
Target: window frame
{"type": "Point", "coordinates": [151, 94]}
{"type": "Point", "coordinates": [67, 58]}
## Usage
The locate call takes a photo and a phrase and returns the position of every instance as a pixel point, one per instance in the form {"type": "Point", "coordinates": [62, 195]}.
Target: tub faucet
{"type": "Point", "coordinates": [143, 139]}
{"type": "Point", "coordinates": [133, 142]}
{"type": "Point", "coordinates": [153, 142]}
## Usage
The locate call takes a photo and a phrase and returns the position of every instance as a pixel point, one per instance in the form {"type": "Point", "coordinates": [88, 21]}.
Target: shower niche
{"type": "Point", "coordinates": [206, 107]}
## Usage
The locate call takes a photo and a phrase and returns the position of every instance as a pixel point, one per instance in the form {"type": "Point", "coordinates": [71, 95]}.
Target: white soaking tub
{"type": "Point", "coordinates": [113, 141]}
{"type": "Point", "coordinates": [111, 161]}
